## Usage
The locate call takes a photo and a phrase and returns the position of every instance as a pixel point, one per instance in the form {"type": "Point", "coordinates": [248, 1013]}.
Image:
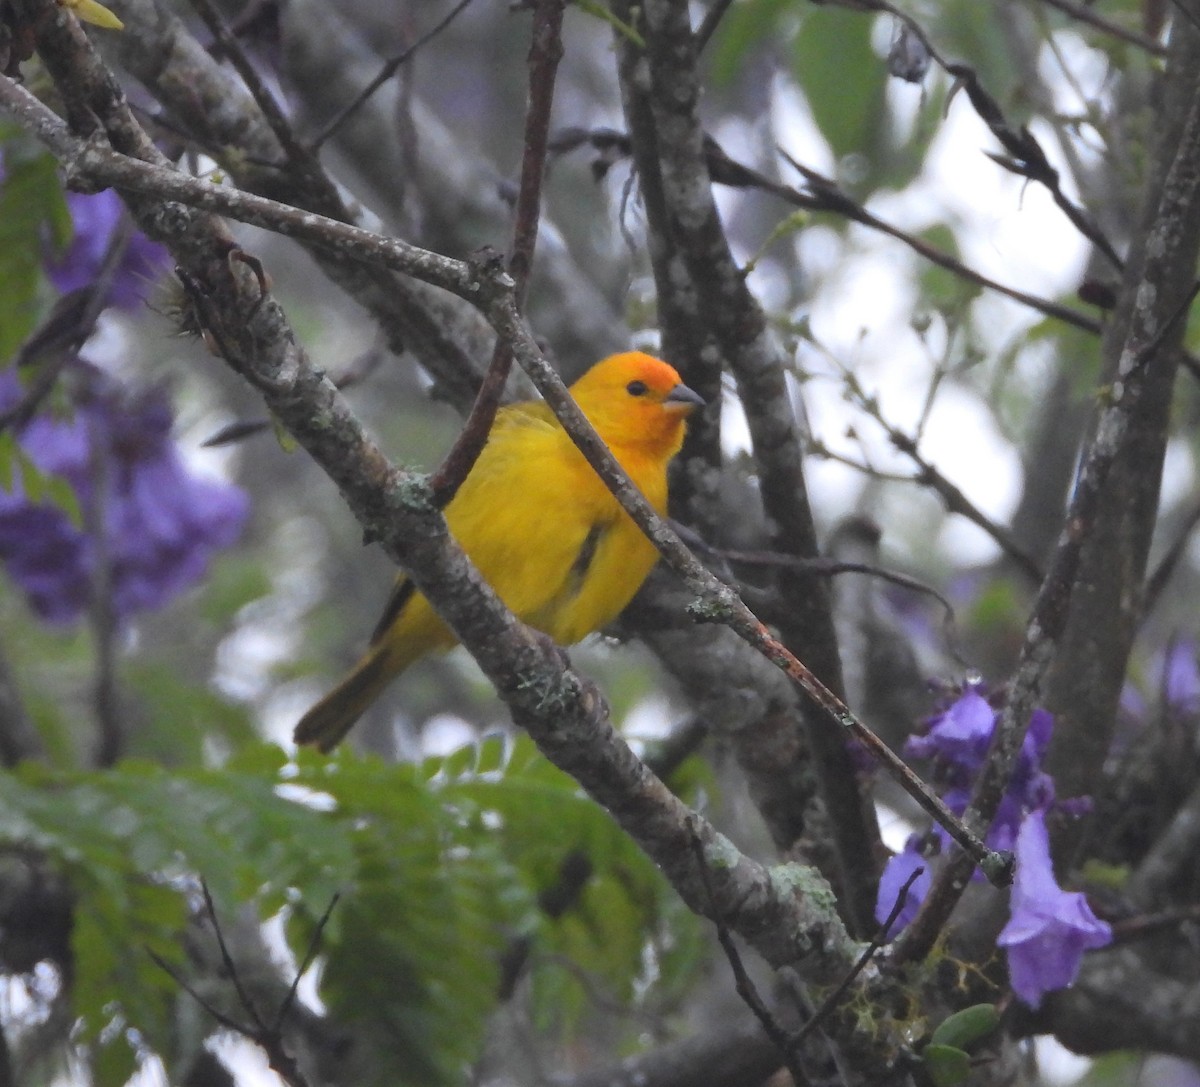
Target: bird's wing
{"type": "Point", "coordinates": [517, 426]}
{"type": "Point", "coordinates": [531, 514]}
{"type": "Point", "coordinates": [402, 592]}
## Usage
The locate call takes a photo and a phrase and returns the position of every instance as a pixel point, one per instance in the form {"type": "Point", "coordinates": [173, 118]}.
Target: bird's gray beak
{"type": "Point", "coordinates": [685, 398]}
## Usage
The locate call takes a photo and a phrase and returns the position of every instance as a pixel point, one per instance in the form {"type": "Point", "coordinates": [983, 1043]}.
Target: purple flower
{"type": "Point", "coordinates": [957, 741]}
{"type": "Point", "coordinates": [96, 217]}
{"type": "Point", "coordinates": [960, 735]}
{"type": "Point", "coordinates": [895, 875]}
{"type": "Point", "coordinates": [158, 522]}
{"type": "Point", "coordinates": [1050, 928]}
{"type": "Point", "coordinates": [46, 555]}
{"type": "Point", "coordinates": [1181, 677]}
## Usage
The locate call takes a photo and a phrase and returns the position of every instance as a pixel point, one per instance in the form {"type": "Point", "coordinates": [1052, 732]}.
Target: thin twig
{"type": "Point", "coordinates": [742, 981]}
{"type": "Point", "coordinates": [298, 155]}
{"type": "Point", "coordinates": [545, 52]}
{"type": "Point", "coordinates": [822, 195]}
{"type": "Point", "coordinates": [1161, 575]}
{"type": "Point", "coordinates": [833, 567]}
{"type": "Point", "coordinates": [221, 1018]}
{"type": "Point", "coordinates": [385, 73]}
{"type": "Point", "coordinates": [227, 960]}
{"type": "Point", "coordinates": [952, 496]}
{"type": "Point", "coordinates": [1025, 156]}
{"type": "Point", "coordinates": [1084, 13]}
{"type": "Point", "coordinates": [1149, 924]}
{"type": "Point", "coordinates": [712, 19]}
{"type": "Point", "coordinates": [877, 941]}
{"type": "Point", "coordinates": [314, 945]}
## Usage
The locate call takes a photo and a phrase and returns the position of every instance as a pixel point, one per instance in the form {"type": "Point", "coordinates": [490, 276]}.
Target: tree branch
{"type": "Point", "coordinates": [662, 93]}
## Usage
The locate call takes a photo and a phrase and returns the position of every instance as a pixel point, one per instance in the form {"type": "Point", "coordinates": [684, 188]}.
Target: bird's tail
{"type": "Point", "coordinates": [329, 720]}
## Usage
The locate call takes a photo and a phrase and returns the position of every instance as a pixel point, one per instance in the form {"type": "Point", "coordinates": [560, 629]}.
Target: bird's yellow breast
{"type": "Point", "coordinates": [546, 533]}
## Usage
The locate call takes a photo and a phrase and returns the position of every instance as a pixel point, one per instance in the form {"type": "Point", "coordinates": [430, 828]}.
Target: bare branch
{"type": "Point", "coordinates": [385, 73]}
{"type": "Point", "coordinates": [544, 54]}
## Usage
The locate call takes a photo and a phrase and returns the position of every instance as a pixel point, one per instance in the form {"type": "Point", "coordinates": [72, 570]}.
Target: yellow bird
{"type": "Point", "coordinates": [539, 524]}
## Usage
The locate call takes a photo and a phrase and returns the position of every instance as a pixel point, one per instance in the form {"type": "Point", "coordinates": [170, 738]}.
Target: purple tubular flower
{"type": "Point", "coordinates": [960, 735]}
{"type": "Point", "coordinates": [1181, 677]}
{"type": "Point", "coordinates": [96, 217]}
{"type": "Point", "coordinates": [47, 556]}
{"type": "Point", "coordinates": [897, 873]}
{"type": "Point", "coordinates": [1050, 928]}
{"type": "Point", "coordinates": [159, 522]}
{"type": "Point", "coordinates": [958, 741]}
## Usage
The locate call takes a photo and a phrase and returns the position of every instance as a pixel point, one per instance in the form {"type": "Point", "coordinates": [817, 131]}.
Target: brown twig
{"type": "Point", "coordinates": [1160, 576]}
{"type": "Point", "coordinates": [832, 567]}
{"type": "Point", "coordinates": [1150, 924]}
{"type": "Point", "coordinates": [269, 1038]}
{"type": "Point", "coordinates": [299, 156]}
{"type": "Point", "coordinates": [385, 73]}
{"type": "Point", "coordinates": [830, 1003]}
{"type": "Point", "coordinates": [1084, 13]}
{"type": "Point", "coordinates": [1024, 155]}
{"type": "Point", "coordinates": [545, 52]}
{"type": "Point", "coordinates": [952, 496]}
{"type": "Point", "coordinates": [314, 945]}
{"type": "Point", "coordinates": [712, 19]}
{"type": "Point", "coordinates": [822, 194]}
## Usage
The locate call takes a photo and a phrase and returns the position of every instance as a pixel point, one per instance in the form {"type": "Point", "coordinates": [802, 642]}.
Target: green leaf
{"type": "Point", "coordinates": [743, 27]}
{"type": "Point", "coordinates": [9, 454]}
{"type": "Point", "coordinates": [964, 1028]}
{"type": "Point", "coordinates": [39, 488]}
{"type": "Point", "coordinates": [113, 1062]}
{"type": "Point", "coordinates": [31, 207]}
{"type": "Point", "coordinates": [124, 837]}
{"type": "Point", "coordinates": [233, 583]}
{"type": "Point", "coordinates": [842, 78]}
{"type": "Point", "coordinates": [942, 289]}
{"type": "Point", "coordinates": [182, 716]}
{"type": "Point", "coordinates": [946, 1065]}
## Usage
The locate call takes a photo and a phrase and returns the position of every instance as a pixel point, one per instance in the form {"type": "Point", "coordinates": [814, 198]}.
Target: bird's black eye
{"type": "Point", "coordinates": [636, 388]}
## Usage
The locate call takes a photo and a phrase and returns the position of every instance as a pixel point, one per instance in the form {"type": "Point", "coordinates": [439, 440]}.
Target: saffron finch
{"type": "Point", "coordinates": [539, 524]}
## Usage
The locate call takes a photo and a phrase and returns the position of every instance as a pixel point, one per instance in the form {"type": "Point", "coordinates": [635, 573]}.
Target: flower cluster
{"type": "Point", "coordinates": [150, 521]}
{"type": "Point", "coordinates": [1049, 929]}
{"type": "Point", "coordinates": [96, 218]}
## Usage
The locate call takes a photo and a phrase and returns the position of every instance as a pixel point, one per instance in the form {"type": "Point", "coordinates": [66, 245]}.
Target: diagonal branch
{"type": "Point", "coordinates": [545, 52]}
{"type": "Point", "coordinates": [661, 90]}
{"type": "Point", "coordinates": [389, 69]}
{"type": "Point", "coordinates": [1147, 365]}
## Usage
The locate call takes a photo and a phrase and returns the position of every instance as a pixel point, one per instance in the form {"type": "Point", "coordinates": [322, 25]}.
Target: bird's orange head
{"type": "Point", "coordinates": [636, 401]}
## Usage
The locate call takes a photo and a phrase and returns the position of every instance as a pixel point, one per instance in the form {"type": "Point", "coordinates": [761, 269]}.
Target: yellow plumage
{"type": "Point", "coordinates": [541, 527]}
